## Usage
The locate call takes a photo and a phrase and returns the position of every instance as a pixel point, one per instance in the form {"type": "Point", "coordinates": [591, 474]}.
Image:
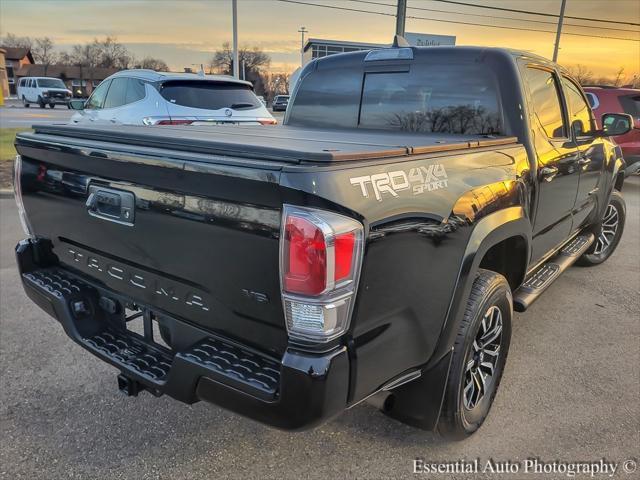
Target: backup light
{"type": "Point", "coordinates": [320, 261]}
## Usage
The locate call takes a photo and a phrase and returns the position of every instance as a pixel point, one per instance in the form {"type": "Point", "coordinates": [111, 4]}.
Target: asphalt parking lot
{"type": "Point", "coordinates": [14, 115]}
{"type": "Point", "coordinates": [570, 392]}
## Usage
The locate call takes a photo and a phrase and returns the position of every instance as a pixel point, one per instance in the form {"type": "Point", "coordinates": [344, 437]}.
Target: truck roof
{"type": "Point", "coordinates": [449, 52]}
{"type": "Point", "coordinates": [284, 143]}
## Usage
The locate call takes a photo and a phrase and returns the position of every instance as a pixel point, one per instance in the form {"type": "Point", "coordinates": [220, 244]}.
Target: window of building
{"type": "Point", "coordinates": [546, 101]}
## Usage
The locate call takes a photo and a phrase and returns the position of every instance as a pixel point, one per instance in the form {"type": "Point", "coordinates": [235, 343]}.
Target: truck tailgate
{"type": "Point", "coordinates": [199, 241]}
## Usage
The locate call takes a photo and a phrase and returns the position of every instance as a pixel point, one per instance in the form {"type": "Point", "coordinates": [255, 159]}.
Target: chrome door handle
{"type": "Point", "coordinates": [548, 173]}
{"type": "Point", "coordinates": [584, 161]}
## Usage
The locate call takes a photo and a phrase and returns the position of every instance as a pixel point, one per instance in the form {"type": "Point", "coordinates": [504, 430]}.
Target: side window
{"type": "Point", "coordinates": [135, 91]}
{"type": "Point", "coordinates": [580, 113]}
{"type": "Point", "coordinates": [21, 82]}
{"type": "Point", "coordinates": [117, 93]}
{"type": "Point", "coordinates": [546, 102]}
{"type": "Point", "coordinates": [97, 97]}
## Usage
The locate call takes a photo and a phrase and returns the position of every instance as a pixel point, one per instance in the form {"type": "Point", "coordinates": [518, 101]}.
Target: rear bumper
{"type": "Point", "coordinates": [297, 391]}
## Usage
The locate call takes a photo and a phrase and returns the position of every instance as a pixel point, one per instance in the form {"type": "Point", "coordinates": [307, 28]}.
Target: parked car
{"type": "Point", "coordinates": [43, 91]}
{"type": "Point", "coordinates": [145, 97]}
{"type": "Point", "coordinates": [280, 103]}
{"type": "Point", "coordinates": [623, 100]}
{"type": "Point", "coordinates": [374, 247]}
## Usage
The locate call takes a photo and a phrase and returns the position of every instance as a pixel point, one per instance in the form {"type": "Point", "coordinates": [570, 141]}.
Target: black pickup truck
{"type": "Point", "coordinates": [374, 247]}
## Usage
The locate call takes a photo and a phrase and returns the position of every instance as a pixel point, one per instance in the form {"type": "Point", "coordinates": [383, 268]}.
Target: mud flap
{"type": "Point", "coordinates": [418, 403]}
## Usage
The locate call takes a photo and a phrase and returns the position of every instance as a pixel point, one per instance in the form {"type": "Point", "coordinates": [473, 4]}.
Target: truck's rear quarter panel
{"type": "Point", "coordinates": [415, 247]}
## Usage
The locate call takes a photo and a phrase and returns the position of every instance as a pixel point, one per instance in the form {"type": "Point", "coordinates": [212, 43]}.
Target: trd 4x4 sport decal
{"type": "Point", "coordinates": [420, 180]}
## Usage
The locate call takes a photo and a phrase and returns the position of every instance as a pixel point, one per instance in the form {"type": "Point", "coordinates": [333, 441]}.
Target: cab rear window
{"type": "Point", "coordinates": [455, 99]}
{"type": "Point", "coordinates": [442, 98]}
{"type": "Point", "coordinates": [209, 95]}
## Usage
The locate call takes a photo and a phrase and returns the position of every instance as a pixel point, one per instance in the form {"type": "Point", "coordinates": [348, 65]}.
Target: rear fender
{"type": "Point", "coordinates": [491, 230]}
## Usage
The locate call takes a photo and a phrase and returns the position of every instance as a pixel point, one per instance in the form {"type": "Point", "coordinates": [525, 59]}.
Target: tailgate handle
{"type": "Point", "coordinates": [112, 205]}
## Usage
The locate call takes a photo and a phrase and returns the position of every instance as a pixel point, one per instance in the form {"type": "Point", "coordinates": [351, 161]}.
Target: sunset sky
{"type": "Point", "coordinates": [186, 32]}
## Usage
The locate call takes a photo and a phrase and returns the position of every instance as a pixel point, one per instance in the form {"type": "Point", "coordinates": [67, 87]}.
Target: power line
{"type": "Point", "coordinates": [449, 12]}
{"type": "Point", "coordinates": [528, 12]}
{"type": "Point", "coordinates": [335, 7]}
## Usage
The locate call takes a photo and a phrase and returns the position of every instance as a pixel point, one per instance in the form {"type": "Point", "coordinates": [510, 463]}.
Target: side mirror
{"type": "Point", "coordinates": [616, 124]}
{"type": "Point", "coordinates": [77, 104]}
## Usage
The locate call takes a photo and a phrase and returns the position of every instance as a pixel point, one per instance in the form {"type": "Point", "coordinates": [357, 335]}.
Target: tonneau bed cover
{"type": "Point", "coordinates": [283, 143]}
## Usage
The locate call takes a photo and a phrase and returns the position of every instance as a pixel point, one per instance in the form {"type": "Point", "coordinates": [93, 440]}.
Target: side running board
{"type": "Point", "coordinates": [545, 275]}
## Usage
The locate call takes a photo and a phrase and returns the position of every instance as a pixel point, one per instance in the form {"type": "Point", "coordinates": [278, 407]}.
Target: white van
{"type": "Point", "coordinates": [43, 91]}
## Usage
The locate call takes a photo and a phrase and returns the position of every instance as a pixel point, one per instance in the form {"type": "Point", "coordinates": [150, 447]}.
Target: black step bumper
{"type": "Point", "coordinates": [294, 392]}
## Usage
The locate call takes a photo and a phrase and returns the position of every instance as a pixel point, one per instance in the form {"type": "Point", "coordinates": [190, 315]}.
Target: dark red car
{"type": "Point", "coordinates": [604, 99]}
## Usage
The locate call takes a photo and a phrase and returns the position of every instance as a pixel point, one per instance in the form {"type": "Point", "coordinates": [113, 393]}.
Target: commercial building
{"type": "Point", "coordinates": [320, 47]}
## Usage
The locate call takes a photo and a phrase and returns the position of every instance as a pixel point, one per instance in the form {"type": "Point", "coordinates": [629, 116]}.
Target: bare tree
{"type": "Point", "coordinates": [276, 84]}
{"type": "Point", "coordinates": [13, 41]}
{"type": "Point", "coordinates": [154, 64]}
{"type": "Point", "coordinates": [85, 55]}
{"type": "Point", "coordinates": [582, 74]}
{"type": "Point", "coordinates": [619, 77]}
{"type": "Point", "coordinates": [43, 52]}
{"type": "Point", "coordinates": [253, 59]}
{"type": "Point", "coordinates": [112, 53]}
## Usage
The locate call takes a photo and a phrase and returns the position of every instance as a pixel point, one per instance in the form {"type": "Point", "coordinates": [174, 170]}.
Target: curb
{"type": "Point", "coordinates": [6, 193]}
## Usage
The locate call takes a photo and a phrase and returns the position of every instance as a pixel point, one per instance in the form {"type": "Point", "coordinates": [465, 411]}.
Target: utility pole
{"type": "Point", "coordinates": [236, 65]}
{"type": "Point", "coordinates": [401, 17]}
{"type": "Point", "coordinates": [302, 31]}
{"type": "Point", "coordinates": [560, 20]}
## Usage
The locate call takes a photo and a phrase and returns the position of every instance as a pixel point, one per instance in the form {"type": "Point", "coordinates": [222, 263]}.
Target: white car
{"type": "Point", "coordinates": [145, 97]}
{"type": "Point", "coordinates": [43, 91]}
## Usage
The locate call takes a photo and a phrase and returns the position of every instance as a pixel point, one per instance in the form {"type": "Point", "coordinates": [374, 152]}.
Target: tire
{"type": "Point", "coordinates": [41, 103]}
{"type": "Point", "coordinates": [468, 394]}
{"type": "Point", "coordinates": [52, 105]}
{"type": "Point", "coordinates": [25, 103]}
{"type": "Point", "coordinates": [610, 232]}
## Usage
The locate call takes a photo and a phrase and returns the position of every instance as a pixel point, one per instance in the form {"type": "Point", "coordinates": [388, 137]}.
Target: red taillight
{"type": "Point", "coordinates": [320, 261]}
{"type": "Point", "coordinates": [268, 121]}
{"type": "Point", "coordinates": [306, 257]}
{"type": "Point", "coordinates": [344, 249]}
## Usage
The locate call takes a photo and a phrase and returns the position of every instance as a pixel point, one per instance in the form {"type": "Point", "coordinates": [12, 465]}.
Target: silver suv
{"type": "Point", "coordinates": [145, 97]}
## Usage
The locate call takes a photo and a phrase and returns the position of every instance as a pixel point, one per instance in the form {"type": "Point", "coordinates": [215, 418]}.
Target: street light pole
{"type": "Point", "coordinates": [236, 65]}
{"type": "Point", "coordinates": [302, 31]}
{"type": "Point", "coordinates": [559, 32]}
{"type": "Point", "coordinates": [401, 17]}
